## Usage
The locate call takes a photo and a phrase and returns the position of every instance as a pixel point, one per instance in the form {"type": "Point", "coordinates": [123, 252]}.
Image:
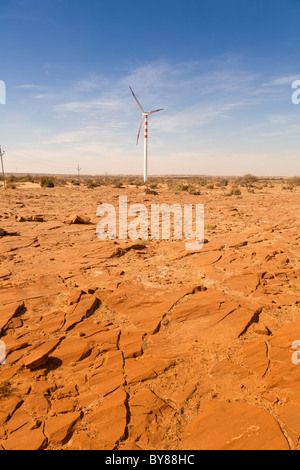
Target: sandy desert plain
{"type": "Point", "coordinates": [141, 344]}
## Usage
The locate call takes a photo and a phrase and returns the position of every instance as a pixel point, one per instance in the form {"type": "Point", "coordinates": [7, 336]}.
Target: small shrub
{"type": "Point", "coordinates": [202, 181]}
{"type": "Point", "coordinates": [182, 186]}
{"type": "Point", "coordinates": [138, 182]}
{"type": "Point", "coordinates": [223, 182]}
{"type": "Point", "coordinates": [47, 182]}
{"type": "Point", "coordinates": [59, 182]}
{"type": "Point", "coordinates": [117, 183]}
{"type": "Point", "coordinates": [209, 227]}
{"type": "Point", "coordinates": [5, 390]}
{"type": "Point", "coordinates": [248, 180]}
{"type": "Point", "coordinates": [192, 190]}
{"type": "Point", "coordinates": [29, 179]}
{"type": "Point", "coordinates": [151, 191]}
{"type": "Point", "coordinates": [91, 184]}
{"type": "Point", "coordinates": [235, 191]}
{"type": "Point", "coordinates": [294, 181]}
{"type": "Point", "coordinates": [177, 186]}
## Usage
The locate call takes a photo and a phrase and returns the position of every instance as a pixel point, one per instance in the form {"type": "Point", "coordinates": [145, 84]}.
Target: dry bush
{"type": "Point", "coordinates": [137, 182]}
{"type": "Point", "coordinates": [91, 184]}
{"type": "Point", "coordinates": [248, 180]}
{"type": "Point", "coordinates": [295, 181]}
{"type": "Point", "coordinates": [20, 179]}
{"type": "Point", "coordinates": [29, 178]}
{"type": "Point", "coordinates": [290, 187]}
{"type": "Point", "coordinates": [26, 179]}
{"type": "Point", "coordinates": [12, 179]}
{"type": "Point", "coordinates": [200, 181]}
{"type": "Point", "coordinates": [235, 191]}
{"type": "Point", "coordinates": [209, 227]}
{"type": "Point", "coordinates": [117, 183]}
{"type": "Point", "coordinates": [5, 390]}
{"type": "Point", "coordinates": [134, 181]}
{"type": "Point", "coordinates": [224, 182]}
{"type": "Point", "coordinates": [47, 182]}
{"type": "Point", "coordinates": [192, 190]}
{"type": "Point", "coordinates": [175, 185]}
{"type": "Point", "coordinates": [153, 185]}
{"type": "Point", "coordinates": [62, 182]}
{"type": "Point", "coordinates": [182, 186]}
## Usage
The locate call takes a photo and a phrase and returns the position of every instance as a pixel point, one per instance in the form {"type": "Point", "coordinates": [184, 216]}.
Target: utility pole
{"type": "Point", "coordinates": [1, 156]}
{"type": "Point", "coordinates": [78, 169]}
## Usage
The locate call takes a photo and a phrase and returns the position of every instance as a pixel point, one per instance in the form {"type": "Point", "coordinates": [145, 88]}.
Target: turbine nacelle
{"type": "Point", "coordinates": [151, 112]}
{"type": "Point", "coordinates": [145, 113]}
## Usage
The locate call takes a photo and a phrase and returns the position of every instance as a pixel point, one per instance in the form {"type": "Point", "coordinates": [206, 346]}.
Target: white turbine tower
{"type": "Point", "coordinates": [145, 115]}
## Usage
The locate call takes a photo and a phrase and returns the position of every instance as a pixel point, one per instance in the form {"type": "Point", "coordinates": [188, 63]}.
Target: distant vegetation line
{"type": "Point", "coordinates": [106, 175]}
{"type": "Point", "coordinates": [194, 185]}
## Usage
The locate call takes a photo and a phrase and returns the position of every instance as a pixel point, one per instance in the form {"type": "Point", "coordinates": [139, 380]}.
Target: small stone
{"type": "Point", "coordinates": [261, 329]}
{"type": "Point", "coordinates": [77, 219]}
{"type": "Point", "coordinates": [39, 356]}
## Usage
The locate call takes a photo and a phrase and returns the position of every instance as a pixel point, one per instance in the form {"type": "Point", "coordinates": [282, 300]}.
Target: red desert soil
{"type": "Point", "coordinates": [144, 345]}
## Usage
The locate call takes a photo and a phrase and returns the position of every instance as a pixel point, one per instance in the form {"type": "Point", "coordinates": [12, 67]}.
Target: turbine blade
{"type": "Point", "coordinates": [136, 100]}
{"type": "Point", "coordinates": [156, 111]}
{"type": "Point", "coordinates": [137, 140]}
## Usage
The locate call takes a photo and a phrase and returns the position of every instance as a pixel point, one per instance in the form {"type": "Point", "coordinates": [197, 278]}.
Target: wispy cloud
{"type": "Point", "coordinates": [87, 106]}
{"type": "Point", "coordinates": [30, 86]}
{"type": "Point", "coordinates": [195, 92]}
{"type": "Point", "coordinates": [206, 103]}
{"type": "Point", "coordinates": [284, 80]}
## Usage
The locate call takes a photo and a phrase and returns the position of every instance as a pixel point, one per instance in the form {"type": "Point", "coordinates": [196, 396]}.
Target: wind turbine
{"type": "Point", "coordinates": [145, 115]}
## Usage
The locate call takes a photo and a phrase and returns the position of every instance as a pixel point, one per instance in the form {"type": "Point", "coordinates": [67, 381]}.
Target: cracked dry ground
{"type": "Point", "coordinates": [125, 345]}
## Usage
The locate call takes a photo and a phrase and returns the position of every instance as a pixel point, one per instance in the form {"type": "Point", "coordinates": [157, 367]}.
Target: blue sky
{"type": "Point", "coordinates": [221, 69]}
